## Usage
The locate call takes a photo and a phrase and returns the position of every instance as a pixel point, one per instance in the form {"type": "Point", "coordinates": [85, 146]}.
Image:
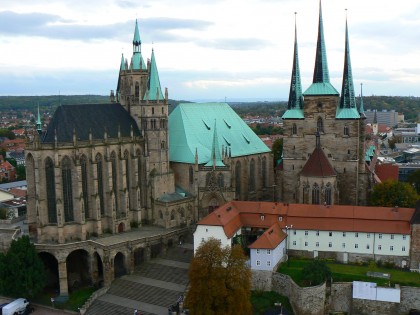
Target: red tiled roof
{"type": "Point", "coordinates": [271, 238]}
{"type": "Point", "coordinates": [318, 165]}
{"type": "Point", "coordinates": [387, 171]}
{"type": "Point", "coordinates": [18, 192]}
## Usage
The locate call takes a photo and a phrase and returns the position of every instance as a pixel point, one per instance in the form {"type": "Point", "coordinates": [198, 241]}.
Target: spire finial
{"type": "Point", "coordinates": [321, 74]}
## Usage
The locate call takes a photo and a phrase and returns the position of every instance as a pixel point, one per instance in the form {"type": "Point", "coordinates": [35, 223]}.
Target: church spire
{"type": "Point", "coordinates": [38, 123]}
{"type": "Point", "coordinates": [137, 62]}
{"type": "Point", "coordinates": [136, 39]}
{"type": "Point", "coordinates": [361, 107]}
{"type": "Point", "coordinates": [347, 91]}
{"type": "Point", "coordinates": [295, 104]}
{"type": "Point", "coordinates": [321, 74]}
{"type": "Point", "coordinates": [122, 66]}
{"type": "Point", "coordinates": [154, 91]}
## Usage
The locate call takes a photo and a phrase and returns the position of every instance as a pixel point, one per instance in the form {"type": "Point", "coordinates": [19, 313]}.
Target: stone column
{"type": "Point", "coordinates": [108, 269]}
{"type": "Point", "coordinates": [62, 276]}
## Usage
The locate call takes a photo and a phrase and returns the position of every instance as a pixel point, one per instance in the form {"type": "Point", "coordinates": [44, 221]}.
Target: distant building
{"type": "Point", "coordinates": [384, 117]}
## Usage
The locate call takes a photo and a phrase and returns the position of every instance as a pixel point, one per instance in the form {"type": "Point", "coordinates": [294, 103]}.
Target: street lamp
{"type": "Point", "coordinates": [288, 227]}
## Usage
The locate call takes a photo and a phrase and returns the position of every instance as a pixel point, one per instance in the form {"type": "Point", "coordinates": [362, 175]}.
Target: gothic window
{"type": "Point", "coordinates": [85, 186]}
{"type": "Point", "coordinates": [163, 111]}
{"type": "Point", "coordinates": [173, 215]}
{"type": "Point", "coordinates": [238, 179]}
{"type": "Point", "coordinates": [153, 110]}
{"type": "Point", "coordinates": [220, 180]}
{"type": "Point", "coordinates": [99, 170]}
{"type": "Point", "coordinates": [162, 145]}
{"type": "Point", "coordinates": [191, 174]}
{"type": "Point", "coordinates": [264, 171]}
{"type": "Point", "coordinates": [328, 199]}
{"type": "Point", "coordinates": [208, 176]}
{"type": "Point", "coordinates": [67, 189]}
{"type": "Point", "coordinates": [50, 185]}
{"type": "Point", "coordinates": [294, 129]}
{"type": "Point", "coordinates": [137, 90]}
{"type": "Point", "coordinates": [319, 125]}
{"type": "Point", "coordinates": [346, 131]}
{"type": "Point", "coordinates": [114, 177]}
{"type": "Point", "coordinates": [127, 169]}
{"type": "Point", "coordinates": [251, 178]}
{"type": "Point", "coordinates": [213, 205]}
{"type": "Point", "coordinates": [315, 194]}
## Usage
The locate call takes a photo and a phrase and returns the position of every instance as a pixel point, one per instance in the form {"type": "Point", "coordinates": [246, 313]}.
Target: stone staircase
{"type": "Point", "coordinates": [152, 288]}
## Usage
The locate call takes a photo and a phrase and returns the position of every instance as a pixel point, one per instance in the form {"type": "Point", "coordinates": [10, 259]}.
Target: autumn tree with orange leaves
{"type": "Point", "coordinates": [220, 281]}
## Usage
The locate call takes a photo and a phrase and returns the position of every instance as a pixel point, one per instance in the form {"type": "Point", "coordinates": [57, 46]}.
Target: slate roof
{"type": "Point", "coordinates": [318, 165]}
{"type": "Point", "coordinates": [191, 128]}
{"type": "Point", "coordinates": [90, 117]}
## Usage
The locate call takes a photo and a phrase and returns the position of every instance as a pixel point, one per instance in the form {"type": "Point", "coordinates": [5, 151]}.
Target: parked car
{"type": "Point", "coordinates": [28, 310]}
{"type": "Point", "coordinates": [1, 307]}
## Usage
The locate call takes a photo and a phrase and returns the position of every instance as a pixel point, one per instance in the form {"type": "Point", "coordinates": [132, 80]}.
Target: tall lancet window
{"type": "Point", "coordinates": [67, 189]}
{"type": "Point", "coordinates": [114, 178]}
{"type": "Point", "coordinates": [85, 186]}
{"type": "Point", "coordinates": [264, 172]}
{"type": "Point", "coordinates": [238, 179]}
{"type": "Point", "coordinates": [50, 186]}
{"type": "Point", "coordinates": [315, 194]}
{"type": "Point", "coordinates": [319, 125]}
{"type": "Point", "coordinates": [328, 199]}
{"type": "Point", "coordinates": [251, 178]}
{"type": "Point", "coordinates": [294, 129]}
{"type": "Point", "coordinates": [127, 175]}
{"type": "Point", "coordinates": [99, 170]}
{"type": "Point", "coordinates": [191, 175]}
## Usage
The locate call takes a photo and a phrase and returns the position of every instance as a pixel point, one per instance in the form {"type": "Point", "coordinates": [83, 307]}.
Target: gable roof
{"type": "Point", "coordinates": [90, 117]}
{"type": "Point", "coordinates": [191, 129]}
{"type": "Point", "coordinates": [318, 165]}
{"type": "Point", "coordinates": [270, 239]}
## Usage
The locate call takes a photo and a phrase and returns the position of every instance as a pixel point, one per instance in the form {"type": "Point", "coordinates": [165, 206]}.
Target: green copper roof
{"type": "Point", "coordinates": [136, 38]}
{"type": "Point", "coordinates": [154, 91]}
{"type": "Point", "coordinates": [321, 74]}
{"type": "Point", "coordinates": [122, 66]}
{"type": "Point", "coordinates": [137, 62]}
{"type": "Point", "coordinates": [347, 91]}
{"type": "Point", "coordinates": [321, 89]}
{"type": "Point", "coordinates": [361, 107]}
{"type": "Point", "coordinates": [370, 151]}
{"type": "Point", "coordinates": [295, 104]}
{"type": "Point", "coordinates": [38, 123]}
{"type": "Point", "coordinates": [346, 113]}
{"type": "Point", "coordinates": [216, 156]}
{"type": "Point", "coordinates": [191, 128]}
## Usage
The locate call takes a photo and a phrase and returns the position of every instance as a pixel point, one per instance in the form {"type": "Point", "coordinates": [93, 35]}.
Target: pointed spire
{"type": "Point", "coordinates": [321, 74]}
{"type": "Point", "coordinates": [38, 123]}
{"type": "Point", "coordinates": [361, 107]}
{"type": "Point", "coordinates": [347, 91]}
{"type": "Point", "coordinates": [154, 91]}
{"type": "Point", "coordinates": [216, 156]}
{"type": "Point", "coordinates": [136, 39]}
{"type": "Point", "coordinates": [295, 94]}
{"type": "Point", "coordinates": [137, 62]}
{"type": "Point", "coordinates": [375, 118]}
{"type": "Point", "coordinates": [122, 66]}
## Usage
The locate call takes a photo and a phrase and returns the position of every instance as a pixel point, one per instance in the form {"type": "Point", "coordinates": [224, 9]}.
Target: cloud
{"type": "Point", "coordinates": [234, 43]}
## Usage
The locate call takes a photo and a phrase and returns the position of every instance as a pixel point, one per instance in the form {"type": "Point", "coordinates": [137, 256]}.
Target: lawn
{"type": "Point", "coordinates": [263, 303]}
{"type": "Point", "coordinates": [349, 273]}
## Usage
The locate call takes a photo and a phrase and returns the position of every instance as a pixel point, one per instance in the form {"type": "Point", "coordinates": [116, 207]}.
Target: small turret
{"type": "Point", "coordinates": [38, 123]}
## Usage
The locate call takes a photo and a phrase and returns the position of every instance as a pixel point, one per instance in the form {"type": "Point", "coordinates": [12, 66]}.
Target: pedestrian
{"type": "Point", "coordinates": [136, 312]}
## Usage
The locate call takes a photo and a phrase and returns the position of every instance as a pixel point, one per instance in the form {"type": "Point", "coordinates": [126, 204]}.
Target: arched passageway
{"type": "Point", "coordinates": [51, 268]}
{"type": "Point", "coordinates": [119, 265]}
{"type": "Point", "coordinates": [97, 271]}
{"type": "Point", "coordinates": [78, 271]}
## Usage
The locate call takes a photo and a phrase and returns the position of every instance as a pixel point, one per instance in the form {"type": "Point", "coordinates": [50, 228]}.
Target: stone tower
{"type": "Point", "coordinates": [140, 93]}
{"type": "Point", "coordinates": [321, 122]}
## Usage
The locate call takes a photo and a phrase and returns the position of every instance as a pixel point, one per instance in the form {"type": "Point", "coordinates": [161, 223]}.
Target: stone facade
{"type": "Point", "coordinates": [415, 246]}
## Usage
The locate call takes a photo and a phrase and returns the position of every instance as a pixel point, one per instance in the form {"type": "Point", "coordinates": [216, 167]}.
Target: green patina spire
{"type": "Point", "coordinates": [361, 107]}
{"type": "Point", "coordinates": [122, 66]}
{"type": "Point", "coordinates": [348, 108]}
{"type": "Point", "coordinates": [321, 74]}
{"type": "Point", "coordinates": [321, 81]}
{"type": "Point", "coordinates": [38, 123]}
{"type": "Point", "coordinates": [216, 156]}
{"type": "Point", "coordinates": [154, 91]}
{"type": "Point", "coordinates": [295, 104]}
{"type": "Point", "coordinates": [137, 62]}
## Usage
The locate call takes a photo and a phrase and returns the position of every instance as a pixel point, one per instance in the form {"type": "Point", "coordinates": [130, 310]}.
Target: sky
{"type": "Point", "coordinates": [207, 49]}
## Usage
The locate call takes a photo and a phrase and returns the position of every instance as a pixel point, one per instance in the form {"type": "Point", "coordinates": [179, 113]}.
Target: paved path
{"type": "Point", "coordinates": [152, 288]}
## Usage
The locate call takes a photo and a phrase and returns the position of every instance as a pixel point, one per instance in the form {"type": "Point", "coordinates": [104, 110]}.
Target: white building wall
{"type": "Point", "coordinates": [265, 259]}
{"type": "Point", "coordinates": [204, 232]}
{"type": "Point", "coordinates": [350, 242]}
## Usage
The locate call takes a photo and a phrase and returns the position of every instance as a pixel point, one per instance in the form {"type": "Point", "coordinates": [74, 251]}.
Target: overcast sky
{"type": "Point", "coordinates": [206, 49]}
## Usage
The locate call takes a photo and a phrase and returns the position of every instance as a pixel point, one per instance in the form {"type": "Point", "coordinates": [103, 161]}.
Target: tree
{"type": "Point", "coordinates": [316, 272]}
{"type": "Point", "coordinates": [414, 180]}
{"type": "Point", "coordinates": [277, 150]}
{"type": "Point", "coordinates": [220, 281]}
{"type": "Point", "coordinates": [22, 272]}
{"type": "Point", "coordinates": [20, 172]}
{"type": "Point", "coordinates": [391, 193]}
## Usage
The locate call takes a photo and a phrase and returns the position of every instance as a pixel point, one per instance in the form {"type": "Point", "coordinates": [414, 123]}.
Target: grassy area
{"type": "Point", "coordinates": [263, 302]}
{"type": "Point", "coordinates": [76, 299]}
{"type": "Point", "coordinates": [348, 273]}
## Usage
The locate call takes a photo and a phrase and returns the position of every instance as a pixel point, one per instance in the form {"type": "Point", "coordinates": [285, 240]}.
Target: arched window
{"type": "Point", "coordinates": [50, 185]}
{"type": "Point", "coordinates": [191, 175]}
{"type": "Point", "coordinates": [141, 176]}
{"type": "Point", "coordinates": [346, 131]}
{"type": "Point", "coordinates": [114, 178]}
{"type": "Point", "coordinates": [294, 129]}
{"type": "Point", "coordinates": [67, 189]}
{"type": "Point", "coordinates": [319, 125]}
{"type": "Point", "coordinates": [251, 177]}
{"type": "Point", "coordinates": [127, 169]}
{"type": "Point", "coordinates": [264, 171]}
{"type": "Point", "coordinates": [137, 90]}
{"type": "Point", "coordinates": [173, 215]}
{"type": "Point", "coordinates": [328, 199]}
{"type": "Point", "coordinates": [208, 176]}
{"type": "Point", "coordinates": [220, 180]}
{"type": "Point", "coordinates": [315, 194]}
{"type": "Point", "coordinates": [85, 186]}
{"type": "Point", "coordinates": [99, 170]}
{"type": "Point", "coordinates": [238, 179]}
